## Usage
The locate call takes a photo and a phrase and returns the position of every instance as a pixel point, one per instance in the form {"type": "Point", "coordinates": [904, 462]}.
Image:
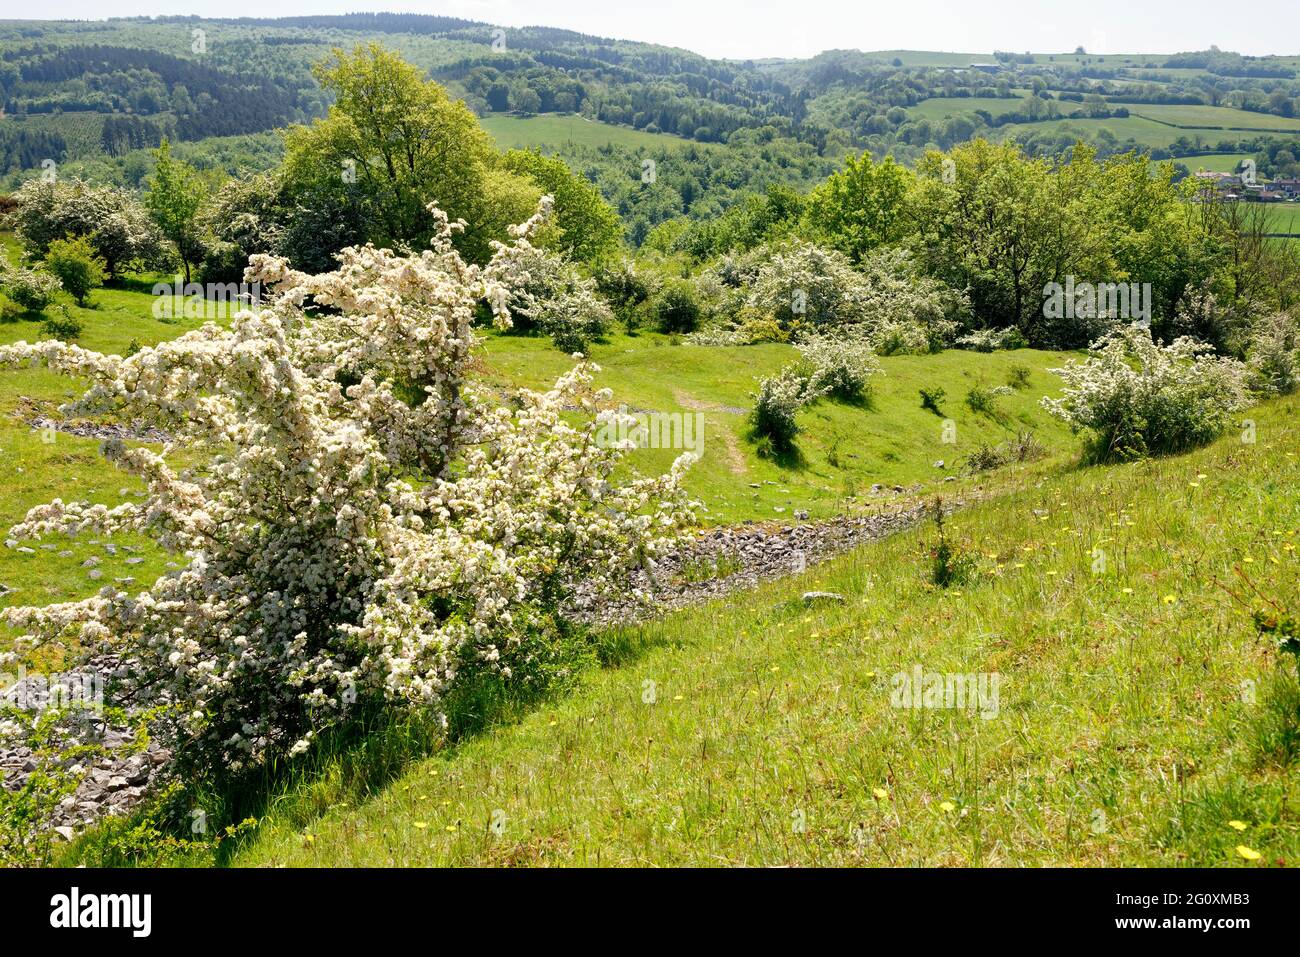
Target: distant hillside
{"type": "Point", "coordinates": [185, 76]}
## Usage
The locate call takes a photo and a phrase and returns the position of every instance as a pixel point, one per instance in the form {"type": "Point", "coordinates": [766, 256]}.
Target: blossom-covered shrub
{"type": "Point", "coordinates": [369, 525]}
{"type": "Point", "coordinates": [804, 285]}
{"type": "Point", "coordinates": [839, 365]}
{"type": "Point", "coordinates": [779, 399]}
{"type": "Point", "coordinates": [805, 290]}
{"type": "Point", "coordinates": [1273, 355]}
{"type": "Point", "coordinates": [113, 221]}
{"type": "Point", "coordinates": [32, 289]}
{"type": "Point", "coordinates": [549, 294]}
{"type": "Point", "coordinates": [905, 310]}
{"type": "Point", "coordinates": [992, 340]}
{"type": "Point", "coordinates": [1135, 397]}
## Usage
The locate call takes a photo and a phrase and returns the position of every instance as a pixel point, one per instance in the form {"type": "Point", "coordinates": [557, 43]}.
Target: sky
{"type": "Point", "coordinates": [801, 28]}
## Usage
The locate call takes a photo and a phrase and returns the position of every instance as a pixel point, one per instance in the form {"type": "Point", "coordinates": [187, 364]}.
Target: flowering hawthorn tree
{"type": "Point", "coordinates": [1134, 396]}
{"type": "Point", "coordinates": [367, 525]}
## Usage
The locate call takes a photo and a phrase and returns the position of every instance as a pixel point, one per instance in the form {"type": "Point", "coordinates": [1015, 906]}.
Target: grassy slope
{"type": "Point", "coordinates": [1123, 735]}
{"type": "Point", "coordinates": [1217, 162]}
{"type": "Point", "coordinates": [844, 449]}
{"type": "Point", "coordinates": [1147, 123]}
{"type": "Point", "coordinates": [554, 129]}
{"type": "Point", "coordinates": [1213, 116]}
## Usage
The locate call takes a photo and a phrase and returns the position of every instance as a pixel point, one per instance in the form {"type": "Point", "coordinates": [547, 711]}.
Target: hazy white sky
{"type": "Point", "coordinates": [796, 28]}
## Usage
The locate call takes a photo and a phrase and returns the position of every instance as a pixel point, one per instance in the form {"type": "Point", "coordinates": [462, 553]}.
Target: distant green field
{"type": "Point", "coordinates": [1205, 117]}
{"type": "Point", "coordinates": [941, 107]}
{"type": "Point", "coordinates": [1284, 217]}
{"type": "Point", "coordinates": [930, 58]}
{"type": "Point", "coordinates": [1145, 132]}
{"type": "Point", "coordinates": [518, 132]}
{"type": "Point", "coordinates": [1150, 126]}
{"type": "Point", "coordinates": [1216, 162]}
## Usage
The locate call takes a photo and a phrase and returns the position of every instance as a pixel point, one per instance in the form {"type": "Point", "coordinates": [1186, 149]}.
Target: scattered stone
{"type": "Point", "coordinates": [939, 464]}
{"type": "Point", "coordinates": [65, 832]}
{"type": "Point", "coordinates": [26, 551]}
{"type": "Point", "coordinates": [800, 515]}
{"type": "Point", "coordinates": [90, 562]}
{"type": "Point", "coordinates": [134, 561]}
{"type": "Point", "coordinates": [813, 597]}
{"type": "Point", "coordinates": [95, 574]}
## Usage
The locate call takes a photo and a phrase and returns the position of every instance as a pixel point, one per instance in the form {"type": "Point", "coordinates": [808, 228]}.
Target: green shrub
{"type": "Point", "coordinates": [77, 266]}
{"type": "Point", "coordinates": [778, 401]}
{"type": "Point", "coordinates": [62, 327]}
{"type": "Point", "coordinates": [626, 291]}
{"type": "Point", "coordinates": [981, 399]}
{"type": "Point", "coordinates": [676, 307]}
{"type": "Point", "coordinates": [950, 564]}
{"type": "Point", "coordinates": [930, 399]}
{"type": "Point", "coordinates": [9, 310]}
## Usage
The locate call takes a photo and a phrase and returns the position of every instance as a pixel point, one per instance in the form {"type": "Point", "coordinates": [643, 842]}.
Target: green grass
{"type": "Point", "coordinates": [844, 448]}
{"type": "Point", "coordinates": [1206, 117]}
{"type": "Point", "coordinates": [1284, 217]}
{"type": "Point", "coordinates": [554, 129]}
{"type": "Point", "coordinates": [1124, 732]}
{"type": "Point", "coordinates": [1216, 162]}
{"type": "Point", "coordinates": [942, 107]}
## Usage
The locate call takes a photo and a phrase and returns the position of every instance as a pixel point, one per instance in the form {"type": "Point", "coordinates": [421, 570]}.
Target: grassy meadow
{"type": "Point", "coordinates": [554, 129]}
{"type": "Point", "coordinates": [1139, 719]}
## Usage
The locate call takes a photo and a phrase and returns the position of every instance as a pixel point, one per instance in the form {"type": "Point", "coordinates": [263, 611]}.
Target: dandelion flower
{"type": "Point", "coordinates": [947, 807]}
{"type": "Point", "coordinates": [1248, 853]}
{"type": "Point", "coordinates": [1238, 825]}
{"type": "Point", "coordinates": [880, 793]}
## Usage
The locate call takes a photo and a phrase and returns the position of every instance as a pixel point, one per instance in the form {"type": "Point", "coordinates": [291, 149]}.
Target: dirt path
{"type": "Point", "coordinates": [735, 457]}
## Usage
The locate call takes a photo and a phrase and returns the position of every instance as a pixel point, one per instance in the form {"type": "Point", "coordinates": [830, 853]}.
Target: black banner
{"type": "Point", "coordinates": [168, 907]}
